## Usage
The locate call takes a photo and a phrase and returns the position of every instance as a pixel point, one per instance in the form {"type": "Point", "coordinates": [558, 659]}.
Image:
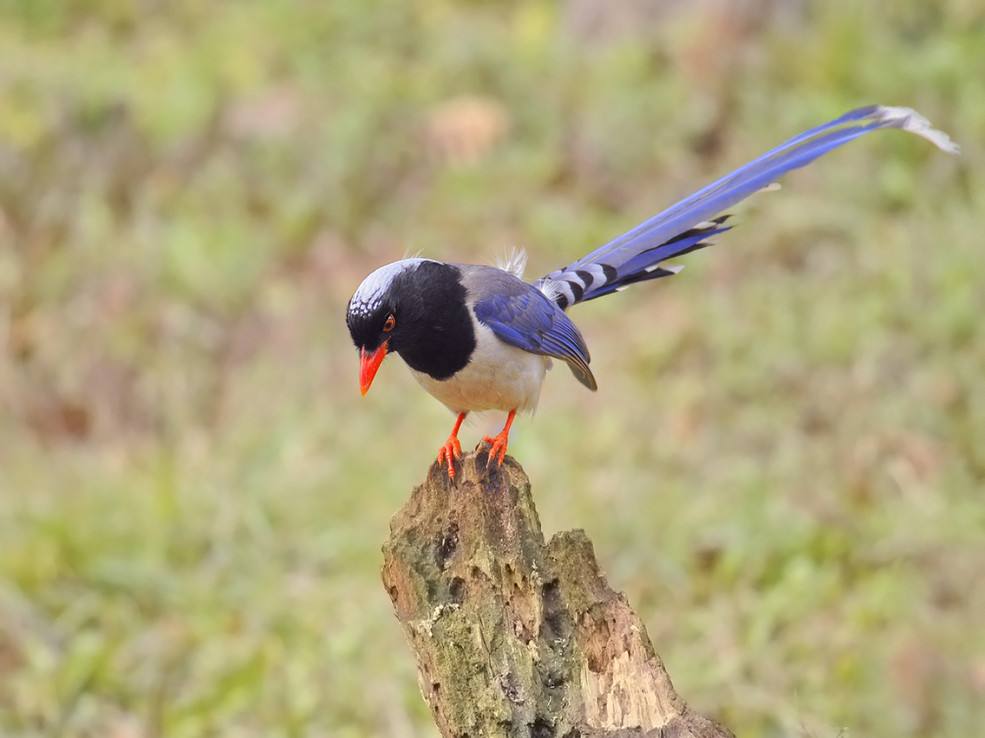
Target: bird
{"type": "Point", "coordinates": [480, 338]}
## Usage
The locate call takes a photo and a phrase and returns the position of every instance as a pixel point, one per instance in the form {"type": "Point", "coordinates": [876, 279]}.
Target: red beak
{"type": "Point", "coordinates": [369, 364]}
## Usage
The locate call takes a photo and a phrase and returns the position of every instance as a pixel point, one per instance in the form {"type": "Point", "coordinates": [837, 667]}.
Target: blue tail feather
{"type": "Point", "coordinates": [635, 255]}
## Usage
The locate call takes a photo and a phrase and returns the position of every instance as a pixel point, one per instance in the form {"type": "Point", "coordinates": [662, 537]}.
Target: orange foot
{"type": "Point", "coordinates": [448, 453]}
{"type": "Point", "coordinates": [497, 445]}
{"type": "Point", "coordinates": [452, 449]}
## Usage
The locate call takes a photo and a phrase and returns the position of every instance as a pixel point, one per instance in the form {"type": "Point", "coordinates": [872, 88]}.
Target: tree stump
{"type": "Point", "coordinates": [515, 638]}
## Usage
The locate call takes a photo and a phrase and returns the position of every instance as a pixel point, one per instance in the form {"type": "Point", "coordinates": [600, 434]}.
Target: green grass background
{"type": "Point", "coordinates": [783, 467]}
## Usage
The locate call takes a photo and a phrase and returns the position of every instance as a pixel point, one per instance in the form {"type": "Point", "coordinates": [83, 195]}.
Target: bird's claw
{"type": "Point", "coordinates": [497, 449]}
{"type": "Point", "coordinates": [449, 453]}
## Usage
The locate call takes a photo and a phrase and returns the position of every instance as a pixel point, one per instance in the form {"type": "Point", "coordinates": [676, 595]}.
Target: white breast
{"type": "Point", "coordinates": [498, 377]}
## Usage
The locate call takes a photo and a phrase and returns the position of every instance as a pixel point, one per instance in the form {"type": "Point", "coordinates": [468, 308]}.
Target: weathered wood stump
{"type": "Point", "coordinates": [516, 638]}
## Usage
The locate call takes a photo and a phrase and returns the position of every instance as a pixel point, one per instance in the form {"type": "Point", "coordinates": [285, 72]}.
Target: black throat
{"type": "Point", "coordinates": [435, 332]}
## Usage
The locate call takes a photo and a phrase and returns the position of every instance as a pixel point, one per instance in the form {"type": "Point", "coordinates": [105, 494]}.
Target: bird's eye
{"type": "Point", "coordinates": [390, 323]}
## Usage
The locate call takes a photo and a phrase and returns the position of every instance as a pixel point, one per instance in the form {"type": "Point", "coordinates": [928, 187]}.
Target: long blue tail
{"type": "Point", "coordinates": [637, 255]}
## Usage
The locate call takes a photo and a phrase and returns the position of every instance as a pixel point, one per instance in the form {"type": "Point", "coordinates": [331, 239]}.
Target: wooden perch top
{"type": "Point", "coordinates": [514, 637]}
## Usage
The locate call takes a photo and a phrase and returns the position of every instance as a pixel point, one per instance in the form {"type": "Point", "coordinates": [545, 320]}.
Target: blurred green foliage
{"type": "Point", "coordinates": [783, 468]}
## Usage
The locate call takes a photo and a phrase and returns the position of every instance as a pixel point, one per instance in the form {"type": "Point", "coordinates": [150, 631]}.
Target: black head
{"type": "Point", "coordinates": [415, 308]}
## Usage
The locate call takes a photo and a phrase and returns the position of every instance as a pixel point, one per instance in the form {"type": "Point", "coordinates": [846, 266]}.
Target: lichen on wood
{"type": "Point", "coordinates": [513, 637]}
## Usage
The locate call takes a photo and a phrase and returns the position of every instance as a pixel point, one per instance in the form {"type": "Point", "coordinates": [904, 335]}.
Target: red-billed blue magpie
{"type": "Point", "coordinates": [480, 338]}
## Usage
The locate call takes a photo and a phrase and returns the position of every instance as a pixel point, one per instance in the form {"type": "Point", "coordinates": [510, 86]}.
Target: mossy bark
{"type": "Point", "coordinates": [515, 638]}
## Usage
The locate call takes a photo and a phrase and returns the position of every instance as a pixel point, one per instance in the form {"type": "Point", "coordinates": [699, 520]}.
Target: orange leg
{"type": "Point", "coordinates": [452, 449]}
{"type": "Point", "coordinates": [497, 448]}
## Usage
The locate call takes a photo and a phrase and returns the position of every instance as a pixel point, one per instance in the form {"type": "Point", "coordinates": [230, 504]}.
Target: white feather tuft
{"type": "Point", "coordinates": [515, 263]}
{"type": "Point", "coordinates": [551, 288]}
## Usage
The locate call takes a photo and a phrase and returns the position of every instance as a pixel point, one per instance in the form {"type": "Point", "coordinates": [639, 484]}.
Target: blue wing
{"type": "Point", "coordinates": [529, 320]}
